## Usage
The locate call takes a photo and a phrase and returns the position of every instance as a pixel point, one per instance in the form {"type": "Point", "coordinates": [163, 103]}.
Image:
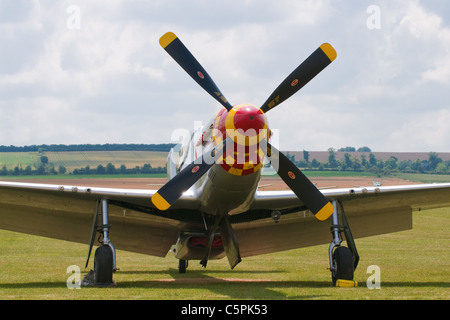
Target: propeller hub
{"type": "Point", "coordinates": [246, 124]}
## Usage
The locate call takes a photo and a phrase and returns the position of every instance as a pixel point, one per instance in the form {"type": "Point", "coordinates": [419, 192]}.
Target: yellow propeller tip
{"type": "Point", "coordinates": [325, 212]}
{"type": "Point", "coordinates": [329, 51]}
{"type": "Point", "coordinates": [167, 39]}
{"type": "Point", "coordinates": [159, 202]}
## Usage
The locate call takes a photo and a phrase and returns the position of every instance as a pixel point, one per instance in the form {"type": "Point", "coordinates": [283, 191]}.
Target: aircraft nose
{"type": "Point", "coordinates": [246, 124]}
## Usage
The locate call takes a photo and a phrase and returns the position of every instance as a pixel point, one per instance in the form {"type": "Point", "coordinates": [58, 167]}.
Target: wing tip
{"type": "Point", "coordinates": [167, 39]}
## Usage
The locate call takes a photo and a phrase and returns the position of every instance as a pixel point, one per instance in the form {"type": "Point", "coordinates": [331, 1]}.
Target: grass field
{"type": "Point", "coordinates": [76, 160]}
{"type": "Point", "coordinates": [424, 178]}
{"type": "Point", "coordinates": [414, 264]}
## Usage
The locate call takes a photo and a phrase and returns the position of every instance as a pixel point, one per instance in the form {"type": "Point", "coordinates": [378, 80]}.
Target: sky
{"type": "Point", "coordinates": [93, 72]}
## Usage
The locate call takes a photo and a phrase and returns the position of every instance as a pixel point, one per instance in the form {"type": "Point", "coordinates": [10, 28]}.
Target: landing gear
{"type": "Point", "coordinates": [343, 260]}
{"type": "Point", "coordinates": [342, 265]}
{"type": "Point", "coordinates": [103, 266]}
{"type": "Point", "coordinates": [182, 266]}
{"type": "Point", "coordinates": [105, 255]}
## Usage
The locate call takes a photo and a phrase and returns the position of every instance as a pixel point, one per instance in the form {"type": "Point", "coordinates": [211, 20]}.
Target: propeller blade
{"type": "Point", "coordinates": [174, 188]}
{"type": "Point", "coordinates": [176, 49]}
{"type": "Point", "coordinates": [299, 184]}
{"type": "Point", "coordinates": [311, 67]}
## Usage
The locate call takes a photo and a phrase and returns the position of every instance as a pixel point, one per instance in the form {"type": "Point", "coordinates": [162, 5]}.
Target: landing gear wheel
{"type": "Point", "coordinates": [343, 264]}
{"type": "Point", "coordinates": [182, 266]}
{"type": "Point", "coordinates": [103, 266]}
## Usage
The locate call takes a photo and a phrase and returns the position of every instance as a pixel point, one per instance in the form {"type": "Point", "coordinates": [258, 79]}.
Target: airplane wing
{"type": "Point", "coordinates": [369, 211]}
{"type": "Point", "coordinates": [66, 212]}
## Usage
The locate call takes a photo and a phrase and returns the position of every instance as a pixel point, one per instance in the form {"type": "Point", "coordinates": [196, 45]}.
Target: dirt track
{"type": "Point", "coordinates": [267, 183]}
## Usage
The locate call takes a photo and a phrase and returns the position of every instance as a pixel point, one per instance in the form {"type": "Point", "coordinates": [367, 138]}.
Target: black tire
{"type": "Point", "coordinates": [182, 266]}
{"type": "Point", "coordinates": [343, 262]}
{"type": "Point", "coordinates": [103, 266]}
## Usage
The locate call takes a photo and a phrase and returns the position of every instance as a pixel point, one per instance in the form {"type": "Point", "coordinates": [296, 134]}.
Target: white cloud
{"type": "Point", "coordinates": [426, 131]}
{"type": "Point", "coordinates": [113, 72]}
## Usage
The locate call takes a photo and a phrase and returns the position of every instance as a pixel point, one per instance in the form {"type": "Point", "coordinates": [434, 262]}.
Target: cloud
{"type": "Point", "coordinates": [109, 80]}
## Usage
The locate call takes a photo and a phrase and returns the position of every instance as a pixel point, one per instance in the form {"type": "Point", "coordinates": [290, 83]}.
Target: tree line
{"type": "Point", "coordinates": [351, 162]}
{"type": "Point", "coordinates": [45, 169]}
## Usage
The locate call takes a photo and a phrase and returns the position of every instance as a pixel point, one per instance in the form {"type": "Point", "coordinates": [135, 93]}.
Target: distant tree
{"type": "Point", "coordinates": [356, 164]}
{"type": "Point", "coordinates": [100, 169]}
{"type": "Point", "coordinates": [364, 160]}
{"type": "Point", "coordinates": [347, 161]}
{"type": "Point", "coordinates": [41, 169]}
{"type": "Point", "coordinates": [372, 160]}
{"type": "Point", "coordinates": [28, 171]}
{"type": "Point", "coordinates": [441, 168]}
{"type": "Point", "coordinates": [110, 169]}
{"type": "Point", "coordinates": [417, 166]}
{"type": "Point", "coordinates": [306, 155]}
{"type": "Point", "coordinates": [433, 161]}
{"type": "Point", "coordinates": [147, 168]}
{"type": "Point", "coordinates": [62, 170]}
{"type": "Point", "coordinates": [391, 163]}
{"type": "Point", "coordinates": [44, 160]}
{"type": "Point", "coordinates": [315, 163]}
{"type": "Point", "coordinates": [364, 149]}
{"type": "Point", "coordinates": [332, 158]}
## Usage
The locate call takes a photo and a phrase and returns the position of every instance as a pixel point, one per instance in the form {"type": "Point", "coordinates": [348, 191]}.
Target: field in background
{"type": "Point", "coordinates": [424, 178]}
{"type": "Point", "coordinates": [77, 159]}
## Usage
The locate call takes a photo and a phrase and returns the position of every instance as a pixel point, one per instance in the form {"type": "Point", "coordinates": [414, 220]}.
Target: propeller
{"type": "Point", "coordinates": [291, 175]}
{"type": "Point", "coordinates": [174, 188]}
{"type": "Point", "coordinates": [176, 49]}
{"type": "Point", "coordinates": [303, 188]}
{"type": "Point", "coordinates": [307, 70]}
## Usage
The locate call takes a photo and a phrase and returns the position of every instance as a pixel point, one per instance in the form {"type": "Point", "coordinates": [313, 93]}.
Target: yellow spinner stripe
{"type": "Point", "coordinates": [325, 212]}
{"type": "Point", "coordinates": [167, 39]}
{"type": "Point", "coordinates": [329, 51]}
{"type": "Point", "coordinates": [160, 202]}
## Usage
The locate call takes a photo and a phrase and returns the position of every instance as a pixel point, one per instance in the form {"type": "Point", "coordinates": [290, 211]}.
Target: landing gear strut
{"type": "Point", "coordinates": [343, 260]}
{"type": "Point", "coordinates": [105, 255]}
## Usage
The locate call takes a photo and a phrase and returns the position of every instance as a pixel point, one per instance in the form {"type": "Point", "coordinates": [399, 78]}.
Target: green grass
{"type": "Point", "coordinates": [21, 159]}
{"type": "Point", "coordinates": [414, 264]}
{"type": "Point", "coordinates": [76, 160]}
{"type": "Point", "coordinates": [315, 174]}
{"type": "Point", "coordinates": [85, 176]}
{"type": "Point", "coordinates": [425, 178]}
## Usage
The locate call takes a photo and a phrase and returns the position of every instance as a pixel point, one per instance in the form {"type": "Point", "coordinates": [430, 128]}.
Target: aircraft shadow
{"type": "Point", "coordinates": [233, 287]}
